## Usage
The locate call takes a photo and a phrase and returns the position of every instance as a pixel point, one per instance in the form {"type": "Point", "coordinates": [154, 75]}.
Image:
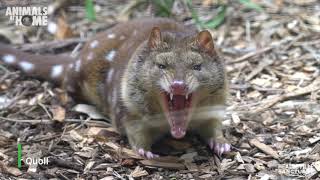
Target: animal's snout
{"type": "Point", "coordinates": [179, 87]}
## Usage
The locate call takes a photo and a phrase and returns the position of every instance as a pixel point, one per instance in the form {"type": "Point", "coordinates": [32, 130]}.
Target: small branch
{"type": "Point", "coordinates": [250, 54]}
{"type": "Point", "coordinates": [264, 148]}
{"type": "Point", "coordinates": [314, 86]}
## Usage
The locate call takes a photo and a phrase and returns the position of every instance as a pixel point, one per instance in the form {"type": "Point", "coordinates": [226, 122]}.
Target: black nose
{"type": "Point", "coordinates": [178, 87]}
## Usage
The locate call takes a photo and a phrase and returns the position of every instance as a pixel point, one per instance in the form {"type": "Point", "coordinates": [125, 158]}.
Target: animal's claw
{"type": "Point", "coordinates": [147, 154]}
{"type": "Point", "coordinates": [219, 148]}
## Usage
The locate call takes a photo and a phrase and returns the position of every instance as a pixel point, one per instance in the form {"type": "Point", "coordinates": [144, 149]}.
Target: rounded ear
{"type": "Point", "coordinates": [205, 42]}
{"type": "Point", "coordinates": [155, 38]}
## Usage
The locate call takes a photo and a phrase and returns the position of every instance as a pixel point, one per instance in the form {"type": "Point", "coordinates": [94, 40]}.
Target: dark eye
{"type": "Point", "coordinates": [197, 67]}
{"type": "Point", "coordinates": [161, 66]}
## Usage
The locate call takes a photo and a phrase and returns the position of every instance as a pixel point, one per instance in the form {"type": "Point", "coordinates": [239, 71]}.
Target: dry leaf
{"type": "Point", "coordinates": [316, 165]}
{"type": "Point", "coordinates": [95, 131]}
{"type": "Point", "coordinates": [91, 111]}
{"type": "Point", "coordinates": [266, 149]}
{"type": "Point", "coordinates": [249, 168]}
{"type": "Point", "coordinates": [238, 157]}
{"type": "Point", "coordinates": [127, 152]}
{"type": "Point", "coordinates": [88, 166]}
{"type": "Point", "coordinates": [35, 100]}
{"type": "Point", "coordinates": [59, 113]}
{"type": "Point", "coordinates": [138, 172]}
{"type": "Point", "coordinates": [235, 118]}
{"type": "Point", "coordinates": [12, 170]}
{"type": "Point", "coordinates": [128, 162]}
{"type": "Point", "coordinates": [63, 29]}
{"type": "Point", "coordinates": [75, 135]}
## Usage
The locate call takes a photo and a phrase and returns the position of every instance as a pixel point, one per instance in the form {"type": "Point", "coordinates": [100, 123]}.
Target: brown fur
{"type": "Point", "coordinates": [131, 96]}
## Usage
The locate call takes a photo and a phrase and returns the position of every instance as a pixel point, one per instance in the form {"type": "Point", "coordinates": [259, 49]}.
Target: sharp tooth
{"type": "Point", "coordinates": [187, 96]}
{"type": "Point", "coordinates": [171, 96]}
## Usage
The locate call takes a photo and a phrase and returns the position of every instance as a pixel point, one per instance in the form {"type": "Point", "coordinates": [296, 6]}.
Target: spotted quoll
{"type": "Point", "coordinates": [150, 76]}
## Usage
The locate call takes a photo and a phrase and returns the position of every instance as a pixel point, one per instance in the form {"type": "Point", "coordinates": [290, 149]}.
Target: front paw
{"type": "Point", "coordinates": [146, 154]}
{"type": "Point", "coordinates": [219, 146]}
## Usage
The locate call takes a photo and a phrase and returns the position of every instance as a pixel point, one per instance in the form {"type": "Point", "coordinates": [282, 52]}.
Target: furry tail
{"type": "Point", "coordinates": [47, 67]}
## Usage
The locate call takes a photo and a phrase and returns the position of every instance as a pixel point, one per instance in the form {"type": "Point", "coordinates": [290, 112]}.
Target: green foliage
{"type": "Point", "coordinates": [211, 23]}
{"type": "Point", "coordinates": [251, 5]}
{"type": "Point", "coordinates": [90, 13]}
{"type": "Point", "coordinates": [194, 14]}
{"type": "Point", "coordinates": [219, 19]}
{"type": "Point", "coordinates": [163, 7]}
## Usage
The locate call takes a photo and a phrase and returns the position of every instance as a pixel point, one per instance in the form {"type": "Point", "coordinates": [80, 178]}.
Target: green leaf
{"type": "Point", "coordinates": [194, 15]}
{"type": "Point", "coordinates": [164, 7]}
{"type": "Point", "coordinates": [90, 13]}
{"type": "Point", "coordinates": [218, 20]}
{"type": "Point", "coordinates": [251, 5]}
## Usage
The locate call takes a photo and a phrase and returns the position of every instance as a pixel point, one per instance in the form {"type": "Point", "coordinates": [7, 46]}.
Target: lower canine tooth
{"type": "Point", "coordinates": [171, 96]}
{"type": "Point", "coordinates": [187, 96]}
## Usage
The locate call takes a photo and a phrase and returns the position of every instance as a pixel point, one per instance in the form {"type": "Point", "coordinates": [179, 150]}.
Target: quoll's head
{"type": "Point", "coordinates": [182, 69]}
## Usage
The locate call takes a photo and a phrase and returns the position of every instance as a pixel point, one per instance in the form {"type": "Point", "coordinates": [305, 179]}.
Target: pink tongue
{"type": "Point", "coordinates": [178, 117]}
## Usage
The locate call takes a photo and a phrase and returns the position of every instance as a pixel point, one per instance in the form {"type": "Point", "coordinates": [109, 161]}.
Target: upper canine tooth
{"type": "Point", "coordinates": [171, 96]}
{"type": "Point", "coordinates": [187, 96]}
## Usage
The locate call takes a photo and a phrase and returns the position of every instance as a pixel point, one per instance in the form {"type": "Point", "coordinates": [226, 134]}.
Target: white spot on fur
{"type": "Point", "coordinates": [90, 56]}
{"type": "Point", "coordinates": [122, 37]}
{"type": "Point", "coordinates": [110, 74]}
{"type": "Point", "coordinates": [56, 71]}
{"type": "Point", "coordinates": [26, 66]}
{"type": "Point", "coordinates": [71, 65]}
{"type": "Point", "coordinates": [9, 58]}
{"type": "Point", "coordinates": [52, 27]}
{"type": "Point", "coordinates": [110, 55]}
{"type": "Point", "coordinates": [77, 65]}
{"type": "Point", "coordinates": [94, 44]}
{"type": "Point", "coordinates": [111, 36]}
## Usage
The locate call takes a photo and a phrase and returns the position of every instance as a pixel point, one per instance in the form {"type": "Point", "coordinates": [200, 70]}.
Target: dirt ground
{"type": "Point", "coordinates": [273, 116]}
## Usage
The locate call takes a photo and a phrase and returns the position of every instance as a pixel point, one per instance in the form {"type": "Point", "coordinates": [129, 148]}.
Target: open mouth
{"type": "Point", "coordinates": [177, 110]}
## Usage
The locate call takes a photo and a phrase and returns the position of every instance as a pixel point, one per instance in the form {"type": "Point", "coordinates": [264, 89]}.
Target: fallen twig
{"type": "Point", "coordinates": [168, 165]}
{"type": "Point", "coordinates": [314, 86]}
{"type": "Point", "coordinates": [264, 148]}
{"type": "Point", "coordinates": [250, 54]}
